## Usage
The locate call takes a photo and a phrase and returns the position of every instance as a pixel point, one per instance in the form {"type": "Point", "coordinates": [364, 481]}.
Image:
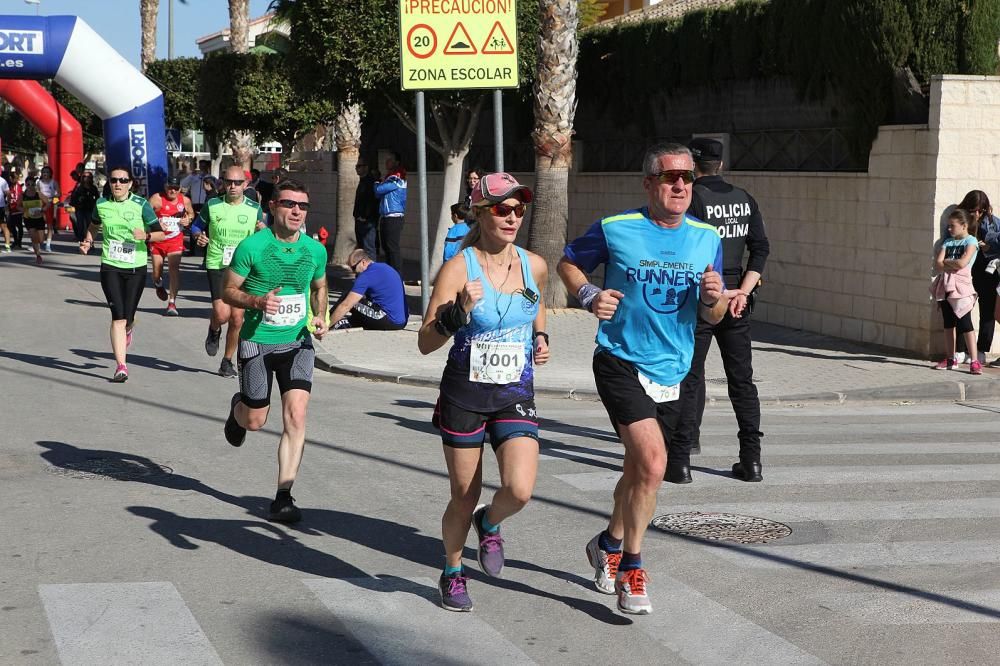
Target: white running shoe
{"type": "Point", "coordinates": [960, 358]}
{"type": "Point", "coordinates": [631, 588]}
{"type": "Point", "coordinates": [605, 565]}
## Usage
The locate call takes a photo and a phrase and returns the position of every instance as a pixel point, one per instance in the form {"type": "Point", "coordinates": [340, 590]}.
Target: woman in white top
{"type": "Point", "coordinates": [48, 190]}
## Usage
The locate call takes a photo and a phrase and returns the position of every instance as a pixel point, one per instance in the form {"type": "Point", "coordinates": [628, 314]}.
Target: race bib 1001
{"type": "Point", "coordinates": [496, 362]}
{"type": "Point", "coordinates": [227, 255]}
{"type": "Point", "coordinates": [170, 224]}
{"type": "Point", "coordinates": [123, 251]}
{"type": "Point", "coordinates": [291, 311]}
{"type": "Point", "coordinates": [658, 392]}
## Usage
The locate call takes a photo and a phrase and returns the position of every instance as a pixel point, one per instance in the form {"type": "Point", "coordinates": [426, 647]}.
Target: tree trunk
{"type": "Point", "coordinates": [347, 134]}
{"type": "Point", "coordinates": [147, 13]}
{"type": "Point", "coordinates": [239, 26]}
{"type": "Point", "coordinates": [555, 107]}
{"type": "Point", "coordinates": [241, 142]}
{"type": "Point", "coordinates": [450, 190]}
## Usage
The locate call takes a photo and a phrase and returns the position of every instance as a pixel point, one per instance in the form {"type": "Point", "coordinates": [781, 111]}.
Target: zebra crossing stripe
{"type": "Point", "coordinates": [819, 476]}
{"type": "Point", "coordinates": [691, 624]}
{"type": "Point", "coordinates": [889, 608]}
{"type": "Point", "coordinates": [124, 623]}
{"type": "Point", "coordinates": [399, 621]}
{"type": "Point", "coordinates": [934, 509]}
{"type": "Point", "coordinates": [888, 554]}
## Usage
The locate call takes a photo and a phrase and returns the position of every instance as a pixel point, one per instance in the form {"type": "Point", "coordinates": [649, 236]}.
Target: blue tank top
{"type": "Point", "coordinates": [497, 317]}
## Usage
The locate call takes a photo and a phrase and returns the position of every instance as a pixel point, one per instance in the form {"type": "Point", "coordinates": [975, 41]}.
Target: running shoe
{"type": "Point", "coordinates": [960, 358]}
{"type": "Point", "coordinates": [121, 374]}
{"type": "Point", "coordinates": [631, 588]}
{"type": "Point", "coordinates": [6, 249]}
{"type": "Point", "coordinates": [975, 368]}
{"type": "Point", "coordinates": [212, 341]}
{"type": "Point", "coordinates": [172, 310]}
{"type": "Point", "coordinates": [235, 433]}
{"type": "Point", "coordinates": [490, 553]}
{"type": "Point", "coordinates": [994, 364]}
{"type": "Point", "coordinates": [283, 510]}
{"type": "Point", "coordinates": [605, 565]}
{"type": "Point", "coordinates": [226, 368]}
{"type": "Point", "coordinates": [38, 259]}
{"type": "Point", "coordinates": [455, 593]}
{"type": "Point", "coordinates": [48, 247]}
{"type": "Point", "coordinates": [128, 337]}
{"type": "Point", "coordinates": [161, 292]}
{"type": "Point", "coordinates": [945, 364]}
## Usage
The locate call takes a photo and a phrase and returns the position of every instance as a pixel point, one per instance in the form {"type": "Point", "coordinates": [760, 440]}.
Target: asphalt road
{"type": "Point", "coordinates": [894, 511]}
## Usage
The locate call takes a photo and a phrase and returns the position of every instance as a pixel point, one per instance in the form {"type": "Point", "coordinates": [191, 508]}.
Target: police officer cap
{"type": "Point", "coordinates": [706, 149]}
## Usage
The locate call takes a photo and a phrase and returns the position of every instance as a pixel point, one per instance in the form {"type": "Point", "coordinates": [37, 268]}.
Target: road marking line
{"type": "Point", "coordinates": [887, 554]}
{"type": "Point", "coordinates": [400, 622]}
{"type": "Point", "coordinates": [691, 624]}
{"type": "Point", "coordinates": [124, 623]}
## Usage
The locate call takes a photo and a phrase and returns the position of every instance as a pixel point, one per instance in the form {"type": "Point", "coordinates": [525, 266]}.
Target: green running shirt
{"type": "Point", "coordinates": [228, 224]}
{"type": "Point", "coordinates": [267, 263]}
{"type": "Point", "coordinates": [118, 219]}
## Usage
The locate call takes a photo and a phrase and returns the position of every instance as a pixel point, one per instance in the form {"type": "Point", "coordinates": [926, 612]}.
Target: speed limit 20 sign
{"type": "Point", "coordinates": [458, 44]}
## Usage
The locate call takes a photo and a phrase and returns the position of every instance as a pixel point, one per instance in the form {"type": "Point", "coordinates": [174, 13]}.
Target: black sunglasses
{"type": "Point", "coordinates": [291, 203]}
{"type": "Point", "coordinates": [670, 177]}
{"type": "Point", "coordinates": [119, 180]}
{"type": "Point", "coordinates": [354, 267]}
{"type": "Point", "coordinates": [230, 181]}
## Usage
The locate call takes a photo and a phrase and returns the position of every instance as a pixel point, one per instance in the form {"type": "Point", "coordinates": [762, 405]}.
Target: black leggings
{"type": "Point", "coordinates": [951, 320]}
{"type": "Point", "coordinates": [15, 222]}
{"type": "Point", "coordinates": [123, 289]}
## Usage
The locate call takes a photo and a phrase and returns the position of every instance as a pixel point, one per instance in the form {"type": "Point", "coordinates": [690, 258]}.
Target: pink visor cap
{"type": "Point", "coordinates": [496, 187]}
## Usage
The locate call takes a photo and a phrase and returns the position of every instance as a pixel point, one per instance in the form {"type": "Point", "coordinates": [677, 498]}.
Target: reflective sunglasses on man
{"type": "Point", "coordinates": [123, 181]}
{"type": "Point", "coordinates": [291, 203]}
{"type": "Point", "coordinates": [503, 210]}
{"type": "Point", "coordinates": [670, 176]}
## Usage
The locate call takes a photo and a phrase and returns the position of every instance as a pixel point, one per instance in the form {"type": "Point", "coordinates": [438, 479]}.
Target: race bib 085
{"type": "Point", "coordinates": [496, 362]}
{"type": "Point", "coordinates": [291, 311]}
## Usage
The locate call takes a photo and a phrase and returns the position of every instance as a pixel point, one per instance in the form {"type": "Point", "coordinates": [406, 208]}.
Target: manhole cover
{"type": "Point", "coordinates": [722, 527]}
{"type": "Point", "coordinates": [114, 469]}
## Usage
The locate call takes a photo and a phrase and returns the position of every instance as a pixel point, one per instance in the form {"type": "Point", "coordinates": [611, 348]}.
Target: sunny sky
{"type": "Point", "coordinates": [118, 21]}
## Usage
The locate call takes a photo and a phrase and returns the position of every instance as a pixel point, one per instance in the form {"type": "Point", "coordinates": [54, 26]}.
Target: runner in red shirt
{"type": "Point", "coordinates": [175, 212]}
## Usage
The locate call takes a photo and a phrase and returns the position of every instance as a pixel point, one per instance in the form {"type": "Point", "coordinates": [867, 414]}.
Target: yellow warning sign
{"type": "Point", "coordinates": [458, 44]}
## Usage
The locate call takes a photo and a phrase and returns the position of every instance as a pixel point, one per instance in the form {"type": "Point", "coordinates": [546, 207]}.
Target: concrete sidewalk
{"type": "Point", "coordinates": [789, 365]}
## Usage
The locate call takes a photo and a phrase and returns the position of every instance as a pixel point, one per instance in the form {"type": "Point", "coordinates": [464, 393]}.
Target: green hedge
{"type": "Point", "coordinates": [849, 47]}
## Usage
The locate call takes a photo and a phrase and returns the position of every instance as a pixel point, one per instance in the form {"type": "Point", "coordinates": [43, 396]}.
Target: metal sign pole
{"type": "Point", "coordinates": [498, 127]}
{"type": "Point", "coordinates": [422, 188]}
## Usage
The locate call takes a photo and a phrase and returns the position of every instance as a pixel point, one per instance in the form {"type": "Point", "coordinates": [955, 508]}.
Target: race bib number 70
{"type": "Point", "coordinates": [658, 392]}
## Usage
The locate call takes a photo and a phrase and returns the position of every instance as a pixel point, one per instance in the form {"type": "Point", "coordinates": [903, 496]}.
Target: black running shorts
{"type": "Point", "coordinates": [291, 362]}
{"type": "Point", "coordinates": [123, 289]}
{"type": "Point", "coordinates": [462, 429]}
{"type": "Point", "coordinates": [216, 281]}
{"type": "Point", "coordinates": [624, 398]}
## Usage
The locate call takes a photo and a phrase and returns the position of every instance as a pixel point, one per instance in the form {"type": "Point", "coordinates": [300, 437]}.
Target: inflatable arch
{"type": "Point", "coordinates": [62, 132]}
{"type": "Point", "coordinates": [68, 50]}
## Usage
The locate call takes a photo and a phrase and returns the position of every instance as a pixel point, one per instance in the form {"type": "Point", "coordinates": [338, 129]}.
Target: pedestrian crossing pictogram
{"type": "Point", "coordinates": [497, 42]}
{"type": "Point", "coordinates": [459, 43]}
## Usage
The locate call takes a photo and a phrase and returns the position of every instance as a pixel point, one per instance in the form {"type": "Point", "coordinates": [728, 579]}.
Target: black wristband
{"type": "Point", "coordinates": [453, 319]}
{"type": "Point", "coordinates": [542, 334]}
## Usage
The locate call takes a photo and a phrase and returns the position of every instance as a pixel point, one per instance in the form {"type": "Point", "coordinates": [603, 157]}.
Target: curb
{"type": "Point", "coordinates": [956, 391]}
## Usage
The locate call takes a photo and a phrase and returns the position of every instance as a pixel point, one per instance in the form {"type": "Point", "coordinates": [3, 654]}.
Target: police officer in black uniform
{"type": "Point", "coordinates": [735, 214]}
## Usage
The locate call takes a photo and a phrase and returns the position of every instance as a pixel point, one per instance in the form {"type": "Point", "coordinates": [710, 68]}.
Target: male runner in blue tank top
{"type": "Point", "coordinates": [489, 297]}
{"type": "Point", "coordinates": [658, 280]}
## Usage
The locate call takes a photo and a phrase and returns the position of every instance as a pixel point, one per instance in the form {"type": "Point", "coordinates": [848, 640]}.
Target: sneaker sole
{"type": "Point", "coordinates": [278, 518]}
{"type": "Point", "coordinates": [591, 558]}
{"type": "Point", "coordinates": [452, 608]}
{"type": "Point", "coordinates": [641, 611]}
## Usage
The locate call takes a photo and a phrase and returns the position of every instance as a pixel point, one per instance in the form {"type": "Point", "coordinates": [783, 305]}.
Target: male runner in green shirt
{"type": "Point", "coordinates": [279, 276]}
{"type": "Point", "coordinates": [227, 221]}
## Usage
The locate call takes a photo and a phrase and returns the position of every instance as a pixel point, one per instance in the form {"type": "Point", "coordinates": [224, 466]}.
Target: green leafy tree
{"type": "Point", "coordinates": [350, 51]}
{"type": "Point", "coordinates": [178, 79]}
{"type": "Point", "coordinates": [591, 11]}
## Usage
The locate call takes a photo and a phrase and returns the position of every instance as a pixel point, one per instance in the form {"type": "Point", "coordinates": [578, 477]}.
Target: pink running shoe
{"type": "Point", "coordinates": [121, 374]}
{"type": "Point", "coordinates": [975, 368]}
{"type": "Point", "coordinates": [945, 364]}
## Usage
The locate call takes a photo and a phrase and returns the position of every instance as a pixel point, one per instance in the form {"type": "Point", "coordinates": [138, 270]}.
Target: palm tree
{"type": "Point", "coordinates": [555, 107]}
{"type": "Point", "coordinates": [347, 135]}
{"type": "Point", "coordinates": [239, 41]}
{"type": "Point", "coordinates": [148, 10]}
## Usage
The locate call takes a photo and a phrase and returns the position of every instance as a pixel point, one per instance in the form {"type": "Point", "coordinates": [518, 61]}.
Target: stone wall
{"type": "Point", "coordinates": [851, 253]}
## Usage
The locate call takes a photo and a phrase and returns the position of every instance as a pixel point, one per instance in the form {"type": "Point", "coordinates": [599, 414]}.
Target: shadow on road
{"type": "Point", "coordinates": [54, 363]}
{"type": "Point", "coordinates": [143, 361]}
